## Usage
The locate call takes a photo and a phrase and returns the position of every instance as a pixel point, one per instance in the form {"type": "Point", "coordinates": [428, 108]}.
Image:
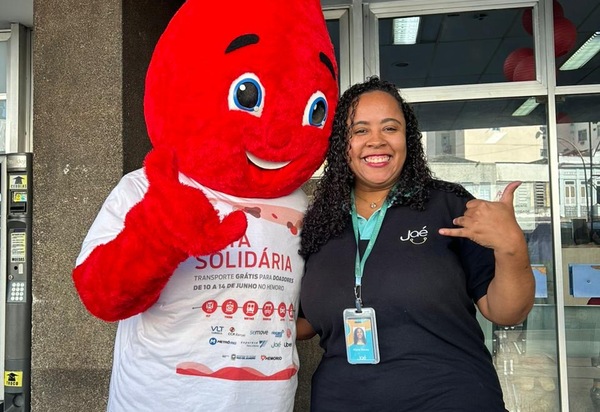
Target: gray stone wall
{"type": "Point", "coordinates": [89, 60]}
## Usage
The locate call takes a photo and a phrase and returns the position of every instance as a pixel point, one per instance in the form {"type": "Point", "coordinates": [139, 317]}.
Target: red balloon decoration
{"type": "Point", "coordinates": [562, 118]}
{"type": "Point", "coordinates": [565, 36]}
{"type": "Point", "coordinates": [525, 69]}
{"type": "Point", "coordinates": [527, 18]}
{"type": "Point", "coordinates": [513, 59]}
{"type": "Point", "coordinates": [557, 10]}
{"type": "Point", "coordinates": [520, 64]}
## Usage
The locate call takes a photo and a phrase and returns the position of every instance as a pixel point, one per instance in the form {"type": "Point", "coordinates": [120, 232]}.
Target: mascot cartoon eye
{"type": "Point", "coordinates": [315, 112]}
{"type": "Point", "coordinates": [247, 94]}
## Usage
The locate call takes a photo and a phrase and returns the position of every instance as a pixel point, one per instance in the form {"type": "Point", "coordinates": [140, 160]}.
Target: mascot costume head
{"type": "Point", "coordinates": [247, 103]}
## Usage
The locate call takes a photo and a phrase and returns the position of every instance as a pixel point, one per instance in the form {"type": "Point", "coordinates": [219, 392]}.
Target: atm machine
{"type": "Point", "coordinates": [15, 264]}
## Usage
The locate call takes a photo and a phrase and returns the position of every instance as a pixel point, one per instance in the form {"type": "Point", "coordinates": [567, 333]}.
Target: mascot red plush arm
{"type": "Point", "coordinates": [239, 107]}
{"type": "Point", "coordinates": [126, 275]}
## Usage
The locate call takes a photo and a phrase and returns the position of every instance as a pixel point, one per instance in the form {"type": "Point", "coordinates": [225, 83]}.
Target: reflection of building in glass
{"type": "Point", "coordinates": [485, 160]}
{"type": "Point", "coordinates": [579, 179]}
{"type": "Point", "coordinates": [447, 142]}
{"type": "Point", "coordinates": [506, 144]}
{"type": "Point", "coordinates": [487, 180]}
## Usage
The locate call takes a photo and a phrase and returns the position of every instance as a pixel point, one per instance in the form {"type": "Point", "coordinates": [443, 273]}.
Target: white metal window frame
{"type": "Point", "coordinates": [343, 16]}
{"type": "Point", "coordinates": [374, 11]}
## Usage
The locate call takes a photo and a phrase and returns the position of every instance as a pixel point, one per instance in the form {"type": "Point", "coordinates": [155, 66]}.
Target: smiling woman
{"type": "Point", "coordinates": [422, 260]}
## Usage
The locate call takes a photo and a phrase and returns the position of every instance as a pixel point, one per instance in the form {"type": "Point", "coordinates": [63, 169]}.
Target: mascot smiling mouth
{"type": "Point", "coordinates": [265, 164]}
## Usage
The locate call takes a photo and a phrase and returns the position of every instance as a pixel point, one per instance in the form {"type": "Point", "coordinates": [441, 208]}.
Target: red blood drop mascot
{"type": "Point", "coordinates": [196, 254]}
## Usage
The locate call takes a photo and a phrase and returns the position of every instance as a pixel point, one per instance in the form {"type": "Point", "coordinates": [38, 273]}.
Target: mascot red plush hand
{"type": "Point", "coordinates": [196, 252]}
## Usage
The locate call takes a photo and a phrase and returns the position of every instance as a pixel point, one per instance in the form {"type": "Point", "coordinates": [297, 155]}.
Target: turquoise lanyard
{"type": "Point", "coordinates": [359, 266]}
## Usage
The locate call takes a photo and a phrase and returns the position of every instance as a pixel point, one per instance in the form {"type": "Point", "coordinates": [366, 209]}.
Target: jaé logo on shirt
{"type": "Point", "coordinates": [416, 237]}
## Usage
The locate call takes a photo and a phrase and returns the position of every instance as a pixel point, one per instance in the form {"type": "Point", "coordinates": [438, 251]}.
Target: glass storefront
{"type": "Point", "coordinates": [484, 159]}
{"type": "Point", "coordinates": [504, 91]}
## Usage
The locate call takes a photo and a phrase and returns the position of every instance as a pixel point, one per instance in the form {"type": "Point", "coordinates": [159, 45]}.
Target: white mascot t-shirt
{"type": "Point", "coordinates": [221, 336]}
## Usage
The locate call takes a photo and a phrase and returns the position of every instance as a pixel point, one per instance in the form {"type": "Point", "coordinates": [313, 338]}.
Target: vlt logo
{"type": "Point", "coordinates": [217, 329]}
{"type": "Point", "coordinates": [416, 237]}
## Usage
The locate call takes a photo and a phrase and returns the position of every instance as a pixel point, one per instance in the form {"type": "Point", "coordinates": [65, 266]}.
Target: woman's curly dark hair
{"type": "Point", "coordinates": [328, 214]}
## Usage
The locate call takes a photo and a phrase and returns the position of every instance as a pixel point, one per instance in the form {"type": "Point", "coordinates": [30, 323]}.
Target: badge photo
{"type": "Point", "coordinates": [361, 336]}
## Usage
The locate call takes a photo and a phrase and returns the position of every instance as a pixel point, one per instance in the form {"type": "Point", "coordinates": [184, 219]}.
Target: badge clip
{"type": "Point", "coordinates": [358, 301]}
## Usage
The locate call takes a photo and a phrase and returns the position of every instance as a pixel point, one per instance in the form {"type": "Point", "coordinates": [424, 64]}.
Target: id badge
{"type": "Point", "coordinates": [361, 336]}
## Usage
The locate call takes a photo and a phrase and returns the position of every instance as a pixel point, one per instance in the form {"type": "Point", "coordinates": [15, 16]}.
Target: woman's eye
{"type": "Point", "coordinates": [246, 93]}
{"type": "Point", "coordinates": [315, 112]}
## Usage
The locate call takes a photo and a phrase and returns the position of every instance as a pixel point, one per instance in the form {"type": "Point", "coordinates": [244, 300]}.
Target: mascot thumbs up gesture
{"type": "Point", "coordinates": [196, 253]}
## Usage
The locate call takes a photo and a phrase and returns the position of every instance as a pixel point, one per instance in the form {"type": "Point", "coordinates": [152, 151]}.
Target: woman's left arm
{"type": "Point", "coordinates": [511, 292]}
